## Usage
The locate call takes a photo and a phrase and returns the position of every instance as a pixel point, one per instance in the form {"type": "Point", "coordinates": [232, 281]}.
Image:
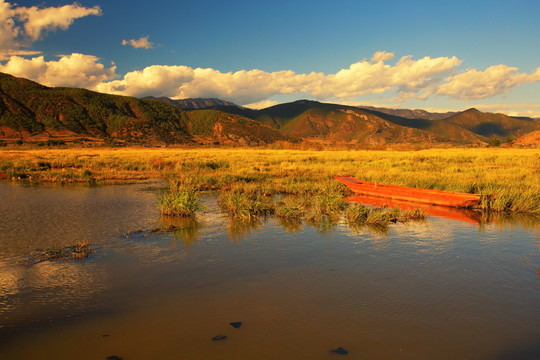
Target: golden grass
{"type": "Point", "coordinates": [512, 174]}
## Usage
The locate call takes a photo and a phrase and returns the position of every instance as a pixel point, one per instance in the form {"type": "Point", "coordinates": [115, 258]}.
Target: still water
{"type": "Point", "coordinates": [439, 289]}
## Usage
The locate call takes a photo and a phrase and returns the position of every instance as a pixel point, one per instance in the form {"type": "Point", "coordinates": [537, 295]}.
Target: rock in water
{"type": "Point", "coordinates": [236, 324]}
{"type": "Point", "coordinates": [219, 337]}
{"type": "Point", "coordinates": [340, 351]}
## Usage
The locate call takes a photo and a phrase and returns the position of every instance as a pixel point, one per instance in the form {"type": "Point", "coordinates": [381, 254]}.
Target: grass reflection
{"type": "Point", "coordinates": [240, 228]}
{"type": "Point", "coordinates": [324, 224]}
{"type": "Point", "coordinates": [291, 225]}
{"type": "Point", "coordinates": [185, 229]}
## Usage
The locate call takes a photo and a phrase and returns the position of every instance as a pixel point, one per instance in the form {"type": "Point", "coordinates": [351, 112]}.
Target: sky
{"type": "Point", "coordinates": [433, 55]}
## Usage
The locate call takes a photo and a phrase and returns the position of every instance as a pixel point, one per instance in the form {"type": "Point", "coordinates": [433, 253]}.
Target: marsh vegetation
{"type": "Point", "coordinates": [512, 174]}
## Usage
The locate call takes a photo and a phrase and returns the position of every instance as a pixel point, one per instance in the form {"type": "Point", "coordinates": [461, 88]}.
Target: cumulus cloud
{"type": "Point", "coordinates": [21, 26]}
{"type": "Point", "coordinates": [155, 80]}
{"type": "Point", "coordinates": [366, 77]}
{"type": "Point", "coordinates": [474, 84]}
{"type": "Point", "coordinates": [407, 78]}
{"type": "Point", "coordinates": [141, 43]}
{"type": "Point", "coordinates": [252, 86]}
{"type": "Point", "coordinates": [382, 56]}
{"type": "Point", "coordinates": [75, 70]}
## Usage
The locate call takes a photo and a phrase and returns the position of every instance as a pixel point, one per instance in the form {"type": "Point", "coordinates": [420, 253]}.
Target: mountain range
{"type": "Point", "coordinates": [31, 112]}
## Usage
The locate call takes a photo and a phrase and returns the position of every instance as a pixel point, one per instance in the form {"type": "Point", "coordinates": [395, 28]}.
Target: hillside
{"type": "Point", "coordinates": [411, 114]}
{"type": "Point", "coordinates": [494, 125]}
{"type": "Point", "coordinates": [351, 124]}
{"type": "Point", "coordinates": [307, 119]}
{"type": "Point", "coordinates": [218, 127]}
{"type": "Point", "coordinates": [530, 139]}
{"type": "Point", "coordinates": [193, 103]}
{"type": "Point", "coordinates": [36, 113]}
{"type": "Point", "coordinates": [33, 112]}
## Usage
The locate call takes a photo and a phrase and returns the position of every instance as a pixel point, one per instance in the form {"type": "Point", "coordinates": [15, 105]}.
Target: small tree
{"type": "Point", "coordinates": [494, 142]}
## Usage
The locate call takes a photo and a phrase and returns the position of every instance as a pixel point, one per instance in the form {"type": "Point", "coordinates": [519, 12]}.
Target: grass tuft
{"type": "Point", "coordinates": [183, 201]}
{"type": "Point", "coordinates": [245, 206]}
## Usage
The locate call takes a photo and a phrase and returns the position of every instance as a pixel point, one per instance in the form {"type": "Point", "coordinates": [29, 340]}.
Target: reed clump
{"type": "Point", "coordinates": [180, 201]}
{"type": "Point", "coordinates": [291, 208]}
{"type": "Point", "coordinates": [245, 206]}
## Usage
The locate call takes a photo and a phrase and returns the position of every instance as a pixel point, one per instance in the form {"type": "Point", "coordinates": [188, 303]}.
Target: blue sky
{"type": "Point", "coordinates": [437, 55]}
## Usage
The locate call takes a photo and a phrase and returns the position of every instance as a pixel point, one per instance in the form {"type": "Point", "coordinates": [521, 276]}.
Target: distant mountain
{"type": "Point", "coordinates": [311, 119]}
{"type": "Point", "coordinates": [195, 103]}
{"type": "Point", "coordinates": [494, 125]}
{"type": "Point", "coordinates": [371, 125]}
{"type": "Point", "coordinates": [32, 112]}
{"type": "Point", "coordinates": [227, 106]}
{"type": "Point", "coordinates": [411, 114]}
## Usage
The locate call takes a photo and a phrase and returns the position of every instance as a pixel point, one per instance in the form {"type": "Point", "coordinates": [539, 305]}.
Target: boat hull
{"type": "Point", "coordinates": [403, 193]}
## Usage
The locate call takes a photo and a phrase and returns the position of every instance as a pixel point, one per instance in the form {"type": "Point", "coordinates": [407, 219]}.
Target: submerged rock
{"type": "Point", "coordinates": [340, 351]}
{"type": "Point", "coordinates": [236, 324]}
{"type": "Point", "coordinates": [219, 337]}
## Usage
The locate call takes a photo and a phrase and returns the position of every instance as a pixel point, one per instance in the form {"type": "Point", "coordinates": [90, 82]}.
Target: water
{"type": "Point", "coordinates": [441, 289]}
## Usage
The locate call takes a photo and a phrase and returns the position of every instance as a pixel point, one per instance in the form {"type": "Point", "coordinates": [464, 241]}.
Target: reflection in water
{"type": "Point", "coordinates": [185, 229]}
{"type": "Point", "coordinates": [46, 284]}
{"type": "Point", "coordinates": [381, 229]}
{"type": "Point", "coordinates": [379, 293]}
{"type": "Point", "coordinates": [10, 277]}
{"type": "Point", "coordinates": [528, 221]}
{"type": "Point", "coordinates": [291, 225]}
{"type": "Point", "coordinates": [322, 223]}
{"type": "Point", "coordinates": [481, 218]}
{"type": "Point", "coordinates": [464, 215]}
{"type": "Point", "coordinates": [238, 229]}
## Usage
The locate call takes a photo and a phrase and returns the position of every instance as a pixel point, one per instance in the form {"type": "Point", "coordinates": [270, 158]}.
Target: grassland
{"type": "Point", "coordinates": [512, 174]}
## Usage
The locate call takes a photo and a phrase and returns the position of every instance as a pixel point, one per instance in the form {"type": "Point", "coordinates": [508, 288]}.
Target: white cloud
{"type": "Point", "coordinates": [19, 52]}
{"type": "Point", "coordinates": [382, 56]}
{"type": "Point", "coordinates": [141, 43]}
{"type": "Point", "coordinates": [75, 70]}
{"type": "Point", "coordinates": [253, 86]}
{"type": "Point", "coordinates": [406, 79]}
{"type": "Point", "coordinates": [21, 26]}
{"type": "Point", "coordinates": [155, 80]}
{"type": "Point", "coordinates": [261, 104]}
{"type": "Point", "coordinates": [495, 80]}
{"type": "Point", "coordinates": [366, 77]}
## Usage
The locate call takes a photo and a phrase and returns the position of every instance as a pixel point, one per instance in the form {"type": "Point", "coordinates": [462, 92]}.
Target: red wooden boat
{"type": "Point", "coordinates": [425, 196]}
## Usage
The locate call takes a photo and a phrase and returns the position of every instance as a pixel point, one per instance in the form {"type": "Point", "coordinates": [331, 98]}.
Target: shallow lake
{"type": "Point", "coordinates": [438, 289]}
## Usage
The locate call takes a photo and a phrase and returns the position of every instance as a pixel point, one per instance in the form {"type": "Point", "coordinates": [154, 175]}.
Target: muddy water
{"type": "Point", "coordinates": [441, 289]}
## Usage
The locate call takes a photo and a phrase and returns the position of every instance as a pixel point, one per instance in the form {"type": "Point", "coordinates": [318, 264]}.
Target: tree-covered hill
{"type": "Point", "coordinates": [32, 112]}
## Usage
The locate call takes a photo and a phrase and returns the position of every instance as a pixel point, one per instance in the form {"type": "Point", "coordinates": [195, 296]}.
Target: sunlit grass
{"type": "Point", "coordinates": [245, 206]}
{"type": "Point", "coordinates": [512, 174]}
{"type": "Point", "coordinates": [183, 201]}
{"type": "Point", "coordinates": [291, 208]}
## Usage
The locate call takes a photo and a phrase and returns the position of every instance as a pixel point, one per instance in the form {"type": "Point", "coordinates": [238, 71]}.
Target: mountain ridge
{"type": "Point", "coordinates": [33, 112]}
